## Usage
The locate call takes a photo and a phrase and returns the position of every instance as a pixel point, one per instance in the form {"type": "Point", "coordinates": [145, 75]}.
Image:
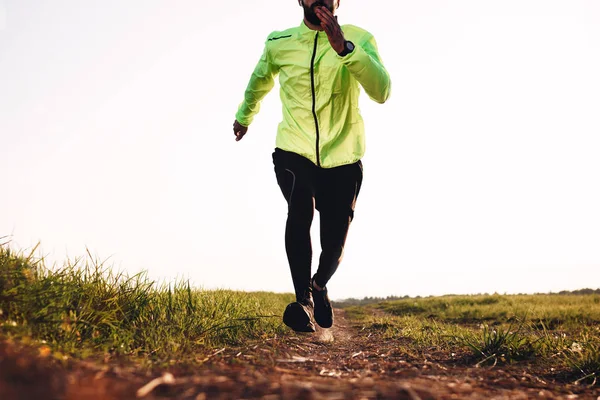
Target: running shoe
{"type": "Point", "coordinates": [299, 314]}
{"type": "Point", "coordinates": [323, 310]}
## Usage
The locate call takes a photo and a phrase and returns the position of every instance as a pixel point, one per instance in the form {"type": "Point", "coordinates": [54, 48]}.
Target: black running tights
{"type": "Point", "coordinates": [333, 192]}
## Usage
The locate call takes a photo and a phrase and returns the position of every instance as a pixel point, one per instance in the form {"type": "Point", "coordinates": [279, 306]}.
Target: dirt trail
{"type": "Point", "coordinates": [340, 363]}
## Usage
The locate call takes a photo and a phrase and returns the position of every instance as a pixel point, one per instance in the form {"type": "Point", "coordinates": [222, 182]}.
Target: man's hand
{"type": "Point", "coordinates": [332, 28]}
{"type": "Point", "coordinates": [239, 130]}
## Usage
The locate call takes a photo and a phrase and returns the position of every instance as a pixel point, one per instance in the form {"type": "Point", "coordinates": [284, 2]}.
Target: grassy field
{"type": "Point", "coordinates": [85, 309]}
{"type": "Point", "coordinates": [552, 331]}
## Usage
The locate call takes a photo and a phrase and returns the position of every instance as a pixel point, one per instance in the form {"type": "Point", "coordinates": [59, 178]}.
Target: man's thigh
{"type": "Point", "coordinates": [337, 189]}
{"type": "Point", "coordinates": [295, 177]}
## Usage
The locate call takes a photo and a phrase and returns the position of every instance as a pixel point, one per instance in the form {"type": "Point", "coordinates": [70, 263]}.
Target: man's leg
{"type": "Point", "coordinates": [336, 195]}
{"type": "Point", "coordinates": [295, 175]}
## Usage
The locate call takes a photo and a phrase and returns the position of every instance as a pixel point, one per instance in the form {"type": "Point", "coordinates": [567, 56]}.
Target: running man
{"type": "Point", "coordinates": [320, 141]}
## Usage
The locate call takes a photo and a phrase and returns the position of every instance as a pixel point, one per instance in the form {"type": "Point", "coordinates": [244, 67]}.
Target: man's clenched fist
{"type": "Point", "coordinates": [239, 130]}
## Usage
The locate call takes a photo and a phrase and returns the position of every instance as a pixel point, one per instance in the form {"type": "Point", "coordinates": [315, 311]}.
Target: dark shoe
{"type": "Point", "coordinates": [323, 308]}
{"type": "Point", "coordinates": [298, 315]}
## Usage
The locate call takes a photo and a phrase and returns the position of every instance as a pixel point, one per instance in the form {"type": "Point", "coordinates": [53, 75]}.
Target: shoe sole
{"type": "Point", "coordinates": [296, 317]}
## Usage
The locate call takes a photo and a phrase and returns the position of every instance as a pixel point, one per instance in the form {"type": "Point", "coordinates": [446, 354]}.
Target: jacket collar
{"type": "Point", "coordinates": [304, 29]}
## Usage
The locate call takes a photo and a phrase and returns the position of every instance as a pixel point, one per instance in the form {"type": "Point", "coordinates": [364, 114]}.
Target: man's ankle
{"type": "Point", "coordinates": [316, 286]}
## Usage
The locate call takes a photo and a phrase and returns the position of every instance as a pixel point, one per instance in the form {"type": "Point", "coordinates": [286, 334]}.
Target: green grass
{"type": "Point", "coordinates": [84, 308]}
{"type": "Point", "coordinates": [87, 309]}
{"type": "Point", "coordinates": [560, 331]}
{"type": "Point", "coordinates": [554, 310]}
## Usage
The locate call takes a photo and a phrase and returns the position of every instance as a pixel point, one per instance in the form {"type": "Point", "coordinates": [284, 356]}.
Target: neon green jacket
{"type": "Point", "coordinates": [319, 92]}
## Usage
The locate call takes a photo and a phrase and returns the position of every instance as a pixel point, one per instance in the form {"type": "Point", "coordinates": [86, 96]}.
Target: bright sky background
{"type": "Point", "coordinates": [481, 175]}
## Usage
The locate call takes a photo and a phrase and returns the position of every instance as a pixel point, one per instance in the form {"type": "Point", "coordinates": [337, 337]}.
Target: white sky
{"type": "Point", "coordinates": [481, 174]}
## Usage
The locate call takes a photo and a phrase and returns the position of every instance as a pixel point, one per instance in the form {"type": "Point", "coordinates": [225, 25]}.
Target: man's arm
{"type": "Point", "coordinates": [261, 82]}
{"type": "Point", "coordinates": [363, 62]}
{"type": "Point", "coordinates": [365, 65]}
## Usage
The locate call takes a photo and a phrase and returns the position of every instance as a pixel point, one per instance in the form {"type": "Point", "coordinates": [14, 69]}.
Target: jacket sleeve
{"type": "Point", "coordinates": [365, 65]}
{"type": "Point", "coordinates": [261, 83]}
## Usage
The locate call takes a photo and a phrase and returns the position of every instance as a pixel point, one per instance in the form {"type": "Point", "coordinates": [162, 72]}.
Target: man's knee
{"type": "Point", "coordinates": [300, 217]}
{"type": "Point", "coordinates": [333, 254]}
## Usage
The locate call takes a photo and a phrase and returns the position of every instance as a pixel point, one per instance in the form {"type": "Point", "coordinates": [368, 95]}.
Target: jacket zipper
{"type": "Point", "coordinates": [314, 97]}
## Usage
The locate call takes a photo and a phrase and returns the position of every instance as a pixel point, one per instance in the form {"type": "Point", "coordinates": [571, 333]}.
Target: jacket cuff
{"type": "Point", "coordinates": [358, 55]}
{"type": "Point", "coordinates": [242, 120]}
